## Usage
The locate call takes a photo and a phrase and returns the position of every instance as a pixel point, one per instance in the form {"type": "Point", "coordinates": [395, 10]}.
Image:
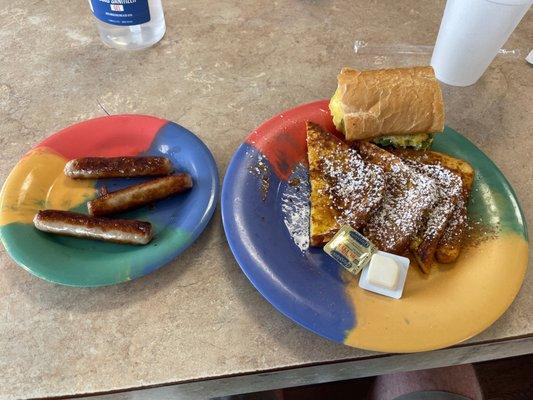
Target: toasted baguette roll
{"type": "Point", "coordinates": [400, 101]}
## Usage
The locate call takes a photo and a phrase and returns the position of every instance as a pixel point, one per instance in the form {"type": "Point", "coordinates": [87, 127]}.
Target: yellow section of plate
{"type": "Point", "coordinates": [39, 175]}
{"type": "Point", "coordinates": [475, 290]}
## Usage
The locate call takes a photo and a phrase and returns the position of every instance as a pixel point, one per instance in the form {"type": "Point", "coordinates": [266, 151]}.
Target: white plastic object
{"type": "Point", "coordinates": [369, 282]}
{"type": "Point", "coordinates": [529, 57]}
{"type": "Point", "coordinates": [471, 34]}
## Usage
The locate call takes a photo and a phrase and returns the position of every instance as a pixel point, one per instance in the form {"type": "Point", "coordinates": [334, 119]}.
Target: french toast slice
{"type": "Point", "coordinates": [409, 195]}
{"type": "Point", "coordinates": [425, 243]}
{"type": "Point", "coordinates": [449, 245]}
{"type": "Point", "coordinates": [344, 188]}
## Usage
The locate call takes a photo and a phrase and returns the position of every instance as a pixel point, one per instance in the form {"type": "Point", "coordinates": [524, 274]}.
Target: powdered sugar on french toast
{"type": "Point", "coordinates": [449, 186]}
{"type": "Point", "coordinates": [408, 196]}
{"type": "Point", "coordinates": [354, 187]}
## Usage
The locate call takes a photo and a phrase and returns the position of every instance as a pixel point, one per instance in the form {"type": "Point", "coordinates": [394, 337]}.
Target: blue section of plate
{"type": "Point", "coordinates": [306, 286]}
{"type": "Point", "coordinates": [189, 211]}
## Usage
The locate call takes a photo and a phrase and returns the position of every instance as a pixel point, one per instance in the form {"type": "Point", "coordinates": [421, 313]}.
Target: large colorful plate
{"type": "Point", "coordinates": [265, 215]}
{"type": "Point", "coordinates": [37, 182]}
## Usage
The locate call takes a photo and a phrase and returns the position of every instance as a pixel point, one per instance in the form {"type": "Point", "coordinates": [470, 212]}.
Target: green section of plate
{"type": "Point", "coordinates": [78, 262]}
{"type": "Point", "coordinates": [489, 181]}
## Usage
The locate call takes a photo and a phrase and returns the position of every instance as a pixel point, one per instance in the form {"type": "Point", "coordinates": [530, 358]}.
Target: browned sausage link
{"type": "Point", "coordinates": [85, 226]}
{"type": "Point", "coordinates": [138, 195]}
{"type": "Point", "coordinates": [117, 167]}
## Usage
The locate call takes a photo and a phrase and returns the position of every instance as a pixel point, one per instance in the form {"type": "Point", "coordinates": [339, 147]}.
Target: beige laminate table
{"type": "Point", "coordinates": [197, 328]}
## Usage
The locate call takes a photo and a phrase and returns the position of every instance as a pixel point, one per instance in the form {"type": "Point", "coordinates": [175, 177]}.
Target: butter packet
{"type": "Point", "coordinates": [350, 249]}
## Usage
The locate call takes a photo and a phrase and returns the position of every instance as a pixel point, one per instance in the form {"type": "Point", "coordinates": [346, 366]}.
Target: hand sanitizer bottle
{"type": "Point", "coordinates": [129, 24]}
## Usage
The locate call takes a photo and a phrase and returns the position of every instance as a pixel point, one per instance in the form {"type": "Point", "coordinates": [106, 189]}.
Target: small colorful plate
{"type": "Point", "coordinates": [265, 212]}
{"type": "Point", "coordinates": [37, 182]}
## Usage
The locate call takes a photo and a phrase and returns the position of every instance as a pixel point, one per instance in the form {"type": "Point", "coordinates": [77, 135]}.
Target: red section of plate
{"type": "Point", "coordinates": [124, 136]}
{"type": "Point", "coordinates": [285, 145]}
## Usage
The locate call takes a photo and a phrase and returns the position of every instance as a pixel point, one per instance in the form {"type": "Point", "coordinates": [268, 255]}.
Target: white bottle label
{"type": "Point", "coordinates": [121, 12]}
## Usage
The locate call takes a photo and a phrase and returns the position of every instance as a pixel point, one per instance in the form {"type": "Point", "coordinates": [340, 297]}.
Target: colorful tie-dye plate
{"type": "Point", "coordinates": [37, 182]}
{"type": "Point", "coordinates": [265, 215]}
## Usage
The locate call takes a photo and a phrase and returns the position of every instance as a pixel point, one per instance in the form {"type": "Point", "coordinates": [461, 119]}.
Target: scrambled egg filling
{"type": "Point", "coordinates": [336, 111]}
{"type": "Point", "coordinates": [418, 141]}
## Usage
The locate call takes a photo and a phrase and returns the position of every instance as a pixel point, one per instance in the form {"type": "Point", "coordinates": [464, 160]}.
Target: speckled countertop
{"type": "Point", "coordinates": [222, 68]}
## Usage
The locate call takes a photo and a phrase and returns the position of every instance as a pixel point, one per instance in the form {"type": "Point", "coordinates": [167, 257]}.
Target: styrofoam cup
{"type": "Point", "coordinates": [470, 35]}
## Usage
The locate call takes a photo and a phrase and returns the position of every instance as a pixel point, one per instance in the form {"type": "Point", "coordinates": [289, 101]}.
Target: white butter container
{"type": "Point", "coordinates": [382, 277]}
